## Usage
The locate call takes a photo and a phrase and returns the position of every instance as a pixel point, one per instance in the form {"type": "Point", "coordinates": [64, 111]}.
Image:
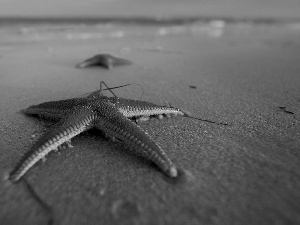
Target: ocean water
{"type": "Point", "coordinates": [15, 30]}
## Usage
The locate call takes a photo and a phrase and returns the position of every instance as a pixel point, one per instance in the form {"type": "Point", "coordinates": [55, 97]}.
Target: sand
{"type": "Point", "coordinates": [245, 173]}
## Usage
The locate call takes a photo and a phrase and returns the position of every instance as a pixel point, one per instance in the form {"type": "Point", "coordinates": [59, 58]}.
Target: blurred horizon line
{"type": "Point", "coordinates": [143, 20]}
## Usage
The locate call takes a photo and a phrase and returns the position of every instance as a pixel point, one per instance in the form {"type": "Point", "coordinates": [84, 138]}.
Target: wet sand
{"type": "Point", "coordinates": [245, 173]}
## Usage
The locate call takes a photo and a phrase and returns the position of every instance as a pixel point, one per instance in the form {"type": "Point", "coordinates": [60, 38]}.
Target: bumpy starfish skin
{"type": "Point", "coordinates": [56, 110]}
{"type": "Point", "coordinates": [116, 125]}
{"type": "Point", "coordinates": [106, 114]}
{"type": "Point", "coordinates": [135, 108]}
{"type": "Point", "coordinates": [80, 120]}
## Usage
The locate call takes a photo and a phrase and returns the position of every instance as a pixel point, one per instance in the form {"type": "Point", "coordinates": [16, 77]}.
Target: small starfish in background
{"type": "Point", "coordinates": [116, 117]}
{"type": "Point", "coordinates": [104, 60]}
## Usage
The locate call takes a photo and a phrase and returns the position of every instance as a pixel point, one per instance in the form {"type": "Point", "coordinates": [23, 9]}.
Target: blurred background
{"type": "Point", "coordinates": [283, 9]}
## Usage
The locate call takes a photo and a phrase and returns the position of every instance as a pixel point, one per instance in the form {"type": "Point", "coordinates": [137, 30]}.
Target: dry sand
{"type": "Point", "coordinates": [245, 173]}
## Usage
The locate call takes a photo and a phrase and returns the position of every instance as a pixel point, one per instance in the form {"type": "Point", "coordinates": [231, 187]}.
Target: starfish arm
{"type": "Point", "coordinates": [120, 61]}
{"type": "Point", "coordinates": [81, 119]}
{"type": "Point", "coordinates": [104, 60]}
{"type": "Point", "coordinates": [54, 110]}
{"type": "Point", "coordinates": [113, 123]}
{"type": "Point", "coordinates": [134, 108]}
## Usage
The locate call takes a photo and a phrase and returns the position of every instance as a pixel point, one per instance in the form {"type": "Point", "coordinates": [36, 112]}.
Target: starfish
{"type": "Point", "coordinates": [116, 117]}
{"type": "Point", "coordinates": [106, 61]}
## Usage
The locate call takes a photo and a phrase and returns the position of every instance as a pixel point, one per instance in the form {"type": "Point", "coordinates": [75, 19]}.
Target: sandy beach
{"type": "Point", "coordinates": [246, 75]}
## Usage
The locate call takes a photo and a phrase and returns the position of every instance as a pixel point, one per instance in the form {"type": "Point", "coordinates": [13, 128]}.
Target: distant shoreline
{"type": "Point", "coordinates": [154, 21]}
